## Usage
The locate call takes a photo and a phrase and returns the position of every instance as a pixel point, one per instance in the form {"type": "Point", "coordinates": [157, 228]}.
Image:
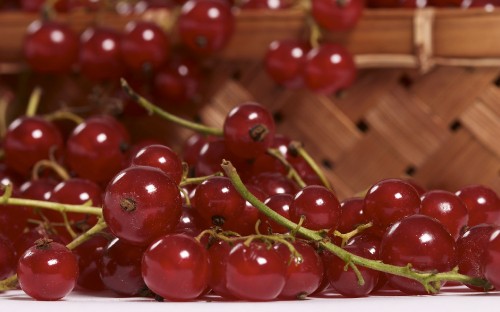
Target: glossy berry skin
{"type": "Point", "coordinates": [141, 204]}
{"type": "Point", "coordinates": [161, 157]}
{"type": "Point", "coordinates": [284, 61]}
{"type": "Point", "coordinates": [273, 183]}
{"type": "Point", "coordinates": [178, 81]}
{"type": "Point", "coordinates": [192, 146]}
{"type": "Point", "coordinates": [352, 214]}
{"type": "Point", "coordinates": [482, 203]}
{"type": "Point", "coordinates": [96, 148]}
{"type": "Point", "coordinates": [144, 46]}
{"type": "Point", "coordinates": [492, 259]}
{"type": "Point", "coordinates": [50, 47]}
{"type": "Point", "coordinates": [303, 277]}
{"type": "Point", "coordinates": [249, 130]}
{"type": "Point", "coordinates": [75, 191]}
{"type": "Point", "coordinates": [89, 255]}
{"type": "Point", "coordinates": [13, 219]}
{"type": "Point", "coordinates": [265, 4]}
{"type": "Point", "coordinates": [471, 247]}
{"type": "Point", "coordinates": [329, 68]}
{"type": "Point", "coordinates": [421, 241]}
{"type": "Point", "coordinates": [176, 267]}
{"type": "Point", "coordinates": [334, 15]}
{"type": "Point", "coordinates": [7, 259]}
{"type": "Point", "coordinates": [100, 55]}
{"type": "Point", "coordinates": [447, 208]}
{"type": "Point", "coordinates": [244, 223]}
{"type": "Point", "coordinates": [38, 189]}
{"type": "Point", "coordinates": [205, 26]}
{"type": "Point", "coordinates": [28, 140]}
{"type": "Point", "coordinates": [248, 268]}
{"type": "Point", "coordinates": [391, 200]}
{"type": "Point", "coordinates": [319, 205]}
{"type": "Point", "coordinates": [279, 203]}
{"type": "Point", "coordinates": [27, 239]}
{"type": "Point", "coordinates": [120, 268]}
{"type": "Point", "coordinates": [47, 271]}
{"type": "Point", "coordinates": [216, 200]}
{"type": "Point", "coordinates": [218, 253]}
{"type": "Point", "coordinates": [345, 282]}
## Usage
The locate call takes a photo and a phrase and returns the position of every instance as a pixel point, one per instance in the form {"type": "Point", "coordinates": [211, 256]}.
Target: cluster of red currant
{"type": "Point", "coordinates": [177, 232]}
{"type": "Point", "coordinates": [465, 4]}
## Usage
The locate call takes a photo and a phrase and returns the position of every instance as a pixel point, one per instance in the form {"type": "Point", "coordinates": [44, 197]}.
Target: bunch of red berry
{"type": "Point", "coordinates": [268, 216]}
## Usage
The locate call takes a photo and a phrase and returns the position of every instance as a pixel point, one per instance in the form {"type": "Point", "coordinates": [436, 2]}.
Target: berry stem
{"type": "Point", "coordinates": [4, 104]}
{"type": "Point", "coordinates": [6, 199]}
{"type": "Point", "coordinates": [430, 280]}
{"type": "Point", "coordinates": [292, 173]}
{"type": "Point", "coordinates": [8, 283]}
{"type": "Point", "coordinates": [153, 109]}
{"type": "Point", "coordinates": [298, 148]}
{"type": "Point", "coordinates": [347, 236]}
{"type": "Point", "coordinates": [45, 163]}
{"type": "Point", "coordinates": [64, 115]}
{"type": "Point", "coordinates": [34, 101]}
{"type": "Point", "coordinates": [198, 180]}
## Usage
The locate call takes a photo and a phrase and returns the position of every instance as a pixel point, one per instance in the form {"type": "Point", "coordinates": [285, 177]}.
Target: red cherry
{"type": "Point", "coordinates": [141, 204]}
{"type": "Point", "coordinates": [329, 68]}
{"type": "Point", "coordinates": [50, 47]}
{"type": "Point", "coordinates": [47, 271]}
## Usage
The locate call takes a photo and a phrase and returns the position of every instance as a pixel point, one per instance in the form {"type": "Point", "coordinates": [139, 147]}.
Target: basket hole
{"type": "Point", "coordinates": [455, 125]}
{"type": "Point", "coordinates": [362, 126]}
{"type": "Point", "coordinates": [278, 117]}
{"type": "Point", "coordinates": [497, 81]}
{"type": "Point", "coordinates": [405, 81]}
{"type": "Point", "coordinates": [236, 75]}
{"type": "Point", "coordinates": [327, 164]}
{"type": "Point", "coordinates": [410, 170]}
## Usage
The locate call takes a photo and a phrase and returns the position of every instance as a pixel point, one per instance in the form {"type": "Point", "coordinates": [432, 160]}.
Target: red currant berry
{"type": "Point", "coordinates": [318, 205]}
{"type": "Point", "coordinates": [89, 254]}
{"type": "Point", "coordinates": [447, 208]}
{"type": "Point", "coordinates": [482, 203]}
{"type": "Point", "coordinates": [249, 268]}
{"type": "Point", "coordinates": [329, 68]}
{"type": "Point", "coordinates": [391, 200]}
{"type": "Point", "coordinates": [284, 61]}
{"type": "Point", "coordinates": [50, 47]}
{"type": "Point", "coordinates": [218, 253]}
{"type": "Point", "coordinates": [141, 204]}
{"type": "Point", "coordinates": [28, 140]}
{"type": "Point", "coordinates": [144, 46]}
{"type": "Point", "coordinates": [161, 157]}
{"type": "Point", "coordinates": [205, 26]}
{"type": "Point", "coordinates": [100, 56]}
{"type": "Point", "coordinates": [244, 223]}
{"type": "Point", "coordinates": [279, 203]}
{"type": "Point", "coordinates": [7, 259]}
{"type": "Point", "coordinates": [272, 183]}
{"type": "Point", "coordinates": [120, 268]}
{"type": "Point", "coordinates": [352, 214]}
{"type": "Point", "coordinates": [422, 242]}
{"type": "Point", "coordinates": [216, 200]}
{"type": "Point", "coordinates": [47, 271]}
{"type": "Point", "coordinates": [249, 130]}
{"type": "Point", "coordinates": [337, 15]}
{"type": "Point", "coordinates": [175, 260]}
{"type": "Point", "coordinates": [492, 259]}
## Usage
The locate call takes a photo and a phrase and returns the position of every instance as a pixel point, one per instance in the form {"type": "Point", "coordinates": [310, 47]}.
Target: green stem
{"type": "Point", "coordinates": [427, 279]}
{"type": "Point", "coordinates": [296, 147]}
{"type": "Point", "coordinates": [34, 101]}
{"type": "Point", "coordinates": [198, 180]}
{"type": "Point", "coordinates": [347, 236]}
{"type": "Point", "coordinates": [6, 199]}
{"type": "Point", "coordinates": [153, 109]}
{"type": "Point", "coordinates": [8, 283]}
{"type": "Point", "coordinates": [64, 115]}
{"type": "Point", "coordinates": [292, 173]}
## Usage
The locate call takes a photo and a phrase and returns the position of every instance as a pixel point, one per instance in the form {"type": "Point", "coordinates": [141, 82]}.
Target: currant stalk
{"type": "Point", "coordinates": [6, 199]}
{"type": "Point", "coordinates": [298, 148]}
{"type": "Point", "coordinates": [153, 109]}
{"type": "Point", "coordinates": [292, 173]}
{"type": "Point", "coordinates": [430, 281]}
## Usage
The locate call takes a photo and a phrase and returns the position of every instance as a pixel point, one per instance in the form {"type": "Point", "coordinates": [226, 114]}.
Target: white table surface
{"type": "Point", "coordinates": [451, 299]}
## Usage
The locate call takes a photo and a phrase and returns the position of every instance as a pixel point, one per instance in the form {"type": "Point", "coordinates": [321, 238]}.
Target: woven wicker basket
{"type": "Point", "coordinates": [426, 103]}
